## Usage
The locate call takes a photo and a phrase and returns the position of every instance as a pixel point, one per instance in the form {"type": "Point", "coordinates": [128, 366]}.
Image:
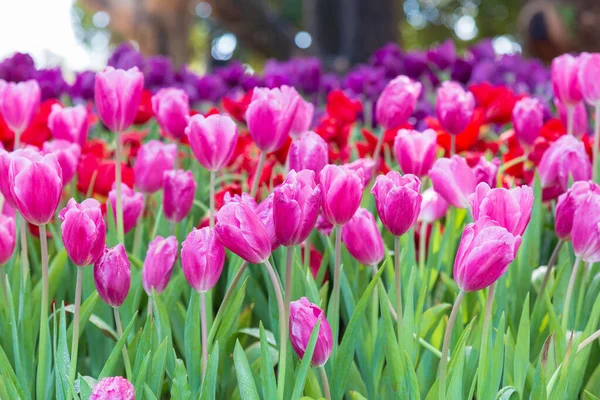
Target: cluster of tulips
{"type": "Point", "coordinates": [420, 186]}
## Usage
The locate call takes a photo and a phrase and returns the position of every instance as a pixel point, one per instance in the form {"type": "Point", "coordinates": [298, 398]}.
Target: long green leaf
{"type": "Point", "coordinates": [245, 379]}
{"type": "Point", "coordinates": [306, 361]}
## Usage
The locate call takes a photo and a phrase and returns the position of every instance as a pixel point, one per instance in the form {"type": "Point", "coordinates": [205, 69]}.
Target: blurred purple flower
{"type": "Point", "coordinates": [125, 57]}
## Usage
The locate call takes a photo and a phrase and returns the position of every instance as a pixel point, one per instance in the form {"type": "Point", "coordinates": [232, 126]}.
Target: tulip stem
{"type": "Point", "coordinates": [119, 207]}
{"type": "Point", "coordinates": [452, 145]}
{"type": "Point", "coordinates": [374, 307]}
{"type": "Point", "coordinates": [446, 345]}
{"type": "Point", "coordinates": [212, 199]}
{"type": "Point", "coordinates": [422, 248]}
{"type": "Point", "coordinates": [289, 258]}
{"type": "Point", "coordinates": [125, 352]}
{"type": "Point", "coordinates": [282, 329]}
{"type": "Point", "coordinates": [258, 173]}
{"type": "Point", "coordinates": [24, 251]}
{"type": "Point", "coordinates": [43, 341]}
{"type": "Point", "coordinates": [335, 301]}
{"type": "Point", "coordinates": [204, 328]}
{"type": "Point", "coordinates": [307, 257]}
{"type": "Point", "coordinates": [567, 306]}
{"type": "Point", "coordinates": [149, 309]}
{"type": "Point", "coordinates": [596, 142]}
{"type": "Point", "coordinates": [325, 382]}
{"type": "Point", "coordinates": [570, 119]}
{"type": "Point", "coordinates": [398, 274]}
{"type": "Point", "coordinates": [75, 341]}
{"type": "Point", "coordinates": [377, 153]}
{"type": "Point", "coordinates": [551, 263]}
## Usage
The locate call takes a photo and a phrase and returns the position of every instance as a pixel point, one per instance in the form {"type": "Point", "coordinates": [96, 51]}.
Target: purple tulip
{"type": "Point", "coordinates": [454, 180]}
{"type": "Point", "coordinates": [118, 94]}
{"type": "Point", "coordinates": [171, 108]}
{"type": "Point", "coordinates": [264, 211]}
{"type": "Point", "coordinates": [303, 317]}
{"type": "Point", "coordinates": [202, 259]}
{"type": "Point", "coordinates": [67, 154]}
{"type": "Point", "coordinates": [212, 140]}
{"type": "Point", "coordinates": [415, 151]}
{"type": "Point", "coordinates": [133, 205]}
{"type": "Point", "coordinates": [395, 192]}
{"type": "Point", "coordinates": [83, 231]}
{"type": "Point", "coordinates": [158, 265]}
{"type": "Point", "coordinates": [486, 171]}
{"type": "Point", "coordinates": [8, 238]}
{"type": "Point", "coordinates": [528, 119]}
{"type": "Point", "coordinates": [342, 191]}
{"type": "Point", "coordinates": [585, 235]}
{"type": "Point", "coordinates": [5, 160]}
{"type": "Point", "coordinates": [454, 107]}
{"type": "Point", "coordinates": [397, 102]}
{"type": "Point", "coordinates": [153, 159]}
{"type": "Point", "coordinates": [363, 239]}
{"type": "Point", "coordinates": [309, 151]}
{"type": "Point", "coordinates": [568, 203]}
{"type": "Point", "coordinates": [112, 275]}
{"type": "Point", "coordinates": [563, 159]}
{"type": "Point", "coordinates": [178, 194]}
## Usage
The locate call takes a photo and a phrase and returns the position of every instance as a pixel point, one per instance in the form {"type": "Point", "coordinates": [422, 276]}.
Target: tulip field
{"type": "Point", "coordinates": [425, 227]}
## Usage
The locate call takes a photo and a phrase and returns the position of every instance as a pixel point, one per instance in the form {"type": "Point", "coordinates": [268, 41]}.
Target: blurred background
{"type": "Point", "coordinates": [80, 34]}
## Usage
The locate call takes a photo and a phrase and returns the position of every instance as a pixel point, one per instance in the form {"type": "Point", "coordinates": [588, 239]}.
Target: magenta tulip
{"type": "Point", "coordinates": [563, 159]}
{"type": "Point", "coordinates": [342, 191]}
{"type": "Point", "coordinates": [158, 265]}
{"type": "Point", "coordinates": [213, 140]}
{"type": "Point", "coordinates": [303, 317]}
{"type": "Point", "coordinates": [112, 275]}
{"type": "Point", "coordinates": [528, 119]}
{"type": "Point", "coordinates": [296, 207]}
{"type": "Point", "coordinates": [485, 251]}
{"type": "Point", "coordinates": [585, 234]}
{"type": "Point", "coordinates": [154, 158]}
{"type": "Point", "coordinates": [486, 171]}
{"type": "Point", "coordinates": [454, 107]}
{"type": "Point", "coordinates": [69, 123]}
{"type": "Point", "coordinates": [83, 231]}
{"type": "Point", "coordinates": [113, 388]}
{"type": "Point", "coordinates": [454, 180]}
{"type": "Point", "coordinates": [397, 102]}
{"type": "Point", "coordinates": [133, 205]}
{"type": "Point", "coordinates": [303, 118]}
{"type": "Point", "coordinates": [367, 165]}
{"type": "Point", "coordinates": [580, 117]}
{"type": "Point", "coordinates": [202, 259]}
{"type": "Point", "coordinates": [67, 154]}
{"type": "Point", "coordinates": [394, 192]}
{"type": "Point", "coordinates": [242, 232]}
{"type": "Point", "coordinates": [415, 151]}
{"type": "Point", "coordinates": [8, 238]}
{"type": "Point", "coordinates": [118, 94]}
{"type": "Point", "coordinates": [433, 206]}
{"type": "Point", "coordinates": [309, 151]}
{"type": "Point", "coordinates": [588, 73]}
{"type": "Point", "coordinates": [264, 211]}
{"type": "Point", "coordinates": [18, 103]}
{"type": "Point", "coordinates": [363, 239]}
{"type": "Point", "coordinates": [569, 202]}
{"type": "Point", "coordinates": [6, 184]}
{"type": "Point", "coordinates": [565, 79]}
{"type": "Point", "coordinates": [270, 116]}
{"type": "Point", "coordinates": [171, 108]}
{"type": "Point", "coordinates": [178, 194]}
{"type": "Point", "coordinates": [243, 198]}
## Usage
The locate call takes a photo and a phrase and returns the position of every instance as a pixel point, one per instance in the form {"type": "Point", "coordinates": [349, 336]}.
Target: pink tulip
{"type": "Point", "coordinates": [397, 102]}
{"type": "Point", "coordinates": [486, 171]}
{"type": "Point", "coordinates": [118, 94]}
{"type": "Point", "coordinates": [433, 206]}
{"type": "Point", "coordinates": [453, 180]}
{"type": "Point", "coordinates": [270, 116]}
{"type": "Point", "coordinates": [565, 79]}
{"type": "Point", "coordinates": [309, 151]}
{"type": "Point", "coordinates": [568, 203]}
{"type": "Point", "coordinates": [178, 194]}
{"type": "Point", "coordinates": [67, 155]}
{"type": "Point", "coordinates": [563, 159]}
{"type": "Point", "coordinates": [171, 108]}
{"type": "Point", "coordinates": [415, 151]}
{"type": "Point", "coordinates": [367, 166]}
{"type": "Point", "coordinates": [394, 192]}
{"type": "Point", "coordinates": [587, 74]}
{"type": "Point", "coordinates": [133, 205]}
{"type": "Point", "coordinates": [485, 251]}
{"type": "Point", "coordinates": [158, 265]}
{"type": "Point", "coordinates": [69, 123]}
{"type": "Point", "coordinates": [243, 198]}
{"type": "Point", "coordinates": [454, 107]}
{"type": "Point", "coordinates": [83, 231]}
{"type": "Point", "coordinates": [154, 158]}
{"type": "Point", "coordinates": [213, 140]}
{"type": "Point", "coordinates": [303, 317]}
{"type": "Point", "coordinates": [113, 388]}
{"type": "Point", "coordinates": [242, 232]}
{"type": "Point", "coordinates": [363, 239]}
{"type": "Point", "coordinates": [18, 103]}
{"type": "Point", "coordinates": [303, 119]}
{"type": "Point", "coordinates": [528, 119]}
{"type": "Point", "coordinates": [5, 159]}
{"type": "Point", "coordinates": [8, 238]}
{"type": "Point", "coordinates": [296, 205]}
{"type": "Point", "coordinates": [264, 211]}
{"type": "Point", "coordinates": [112, 275]}
{"type": "Point", "coordinates": [342, 191]}
{"type": "Point", "coordinates": [511, 209]}
{"type": "Point", "coordinates": [585, 235]}
{"type": "Point", "coordinates": [580, 118]}
{"type": "Point", "coordinates": [202, 259]}
{"type": "Point", "coordinates": [36, 187]}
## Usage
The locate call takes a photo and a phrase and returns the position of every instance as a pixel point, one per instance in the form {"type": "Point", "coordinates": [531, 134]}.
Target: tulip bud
{"type": "Point", "coordinates": [303, 317]}
{"type": "Point", "coordinates": [569, 202]}
{"type": "Point", "coordinates": [296, 207]}
{"type": "Point", "coordinates": [112, 275]}
{"type": "Point", "coordinates": [394, 192]}
{"type": "Point", "coordinates": [67, 154]}
{"type": "Point", "coordinates": [36, 187]}
{"type": "Point", "coordinates": [528, 119]}
{"type": "Point", "coordinates": [309, 151]}
{"type": "Point", "coordinates": [133, 205]}
{"type": "Point", "coordinates": [158, 265]}
{"type": "Point", "coordinates": [485, 251]}
{"type": "Point", "coordinates": [83, 231]}
{"type": "Point", "coordinates": [178, 194]}
{"type": "Point", "coordinates": [580, 118]}
{"type": "Point", "coordinates": [171, 108]}
{"type": "Point", "coordinates": [69, 123]}
{"type": "Point", "coordinates": [587, 74]}
{"type": "Point", "coordinates": [511, 209]}
{"type": "Point", "coordinates": [433, 206]}
{"type": "Point", "coordinates": [202, 259]}
{"type": "Point", "coordinates": [486, 171]}
{"type": "Point", "coordinates": [153, 159]}
{"type": "Point", "coordinates": [363, 239]}
{"type": "Point", "coordinates": [565, 79]}
{"type": "Point", "coordinates": [342, 191]}
{"type": "Point", "coordinates": [213, 140]}
{"type": "Point", "coordinates": [118, 94]}
{"type": "Point", "coordinates": [303, 119]}
{"type": "Point", "coordinates": [242, 232]}
{"type": "Point", "coordinates": [8, 238]}
{"type": "Point", "coordinates": [5, 159]}
{"type": "Point", "coordinates": [563, 159]}
{"type": "Point", "coordinates": [454, 107]}
{"type": "Point", "coordinates": [18, 103]}
{"type": "Point", "coordinates": [270, 116]}
{"type": "Point", "coordinates": [113, 388]}
{"type": "Point", "coordinates": [264, 211]}
{"type": "Point", "coordinates": [415, 151]}
{"type": "Point", "coordinates": [397, 102]}
{"type": "Point", "coordinates": [585, 235]}
{"type": "Point", "coordinates": [453, 180]}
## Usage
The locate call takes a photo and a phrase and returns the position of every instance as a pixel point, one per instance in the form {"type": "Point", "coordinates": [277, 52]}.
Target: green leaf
{"type": "Point", "coordinates": [392, 351]}
{"type": "Point", "coordinates": [209, 386]}
{"type": "Point", "coordinates": [192, 344]}
{"type": "Point", "coordinates": [62, 357]}
{"type": "Point", "coordinates": [85, 312]}
{"type": "Point", "coordinates": [306, 361]}
{"type": "Point", "coordinates": [245, 379]}
{"type": "Point", "coordinates": [506, 393]}
{"type": "Point", "coordinates": [521, 358]}
{"type": "Point", "coordinates": [115, 354]}
{"type": "Point", "coordinates": [86, 385]}
{"type": "Point", "coordinates": [267, 375]}
{"type": "Point", "coordinates": [180, 390]}
{"type": "Point", "coordinates": [157, 370]}
{"type": "Point", "coordinates": [139, 381]}
{"type": "Point", "coordinates": [16, 347]}
{"type": "Point", "coordinates": [228, 315]}
{"type": "Point", "coordinates": [590, 396]}
{"type": "Point", "coordinates": [8, 375]}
